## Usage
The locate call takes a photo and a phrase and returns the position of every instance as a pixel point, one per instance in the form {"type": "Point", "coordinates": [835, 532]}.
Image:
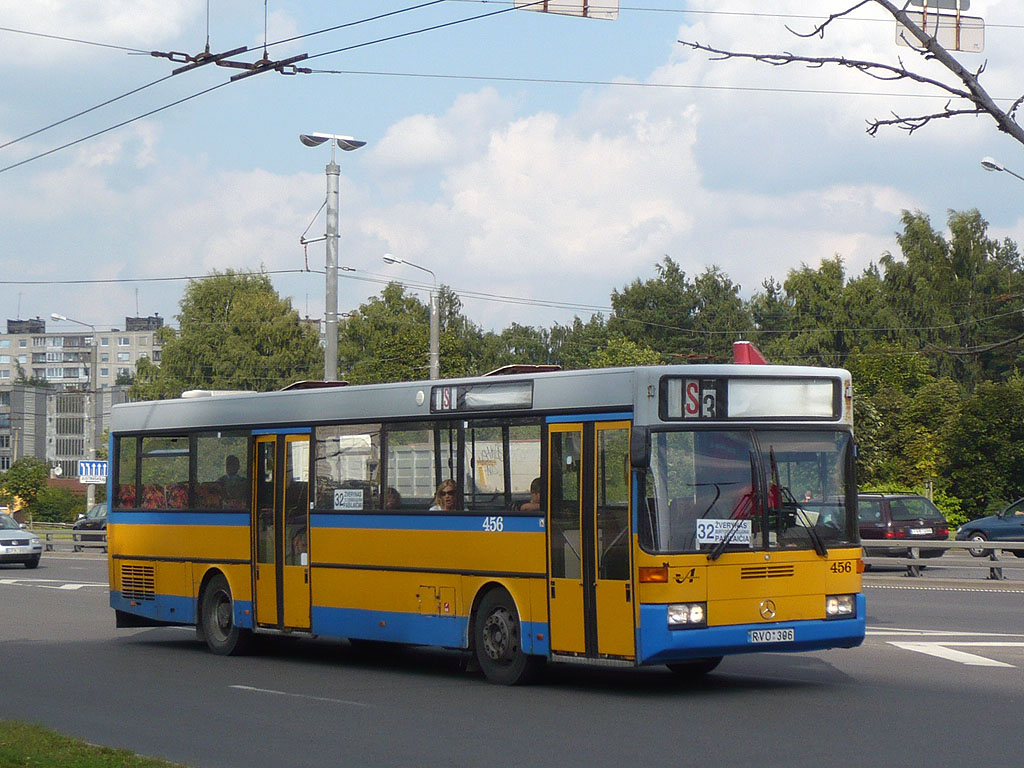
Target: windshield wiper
{"type": "Point", "coordinates": [819, 545]}
{"type": "Point", "coordinates": [716, 553]}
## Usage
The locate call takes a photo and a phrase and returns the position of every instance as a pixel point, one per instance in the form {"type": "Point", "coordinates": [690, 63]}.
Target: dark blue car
{"type": "Point", "coordinates": [1006, 525]}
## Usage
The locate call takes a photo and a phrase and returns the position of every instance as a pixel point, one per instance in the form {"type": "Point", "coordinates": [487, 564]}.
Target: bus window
{"type": "Point", "coordinates": [746, 480]}
{"type": "Point", "coordinates": [126, 481]}
{"type": "Point", "coordinates": [410, 468]}
{"type": "Point", "coordinates": [348, 467]}
{"type": "Point", "coordinates": [222, 479]}
{"type": "Point", "coordinates": [613, 504]}
{"type": "Point", "coordinates": [500, 465]}
{"type": "Point", "coordinates": [164, 473]}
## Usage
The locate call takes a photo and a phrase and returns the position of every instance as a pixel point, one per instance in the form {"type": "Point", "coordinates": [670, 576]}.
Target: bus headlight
{"type": "Point", "coordinates": [840, 606]}
{"type": "Point", "coordinates": [687, 615]}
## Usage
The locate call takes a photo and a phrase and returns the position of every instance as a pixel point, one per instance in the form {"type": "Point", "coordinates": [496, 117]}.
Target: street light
{"type": "Point", "coordinates": [435, 316]}
{"type": "Point", "coordinates": [347, 143]}
{"type": "Point", "coordinates": [990, 164]}
{"type": "Point", "coordinates": [90, 440]}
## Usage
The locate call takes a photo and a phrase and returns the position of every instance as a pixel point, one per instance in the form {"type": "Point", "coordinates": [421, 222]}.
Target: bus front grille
{"type": "Point", "coordinates": [767, 571]}
{"type": "Point", "coordinates": [138, 582]}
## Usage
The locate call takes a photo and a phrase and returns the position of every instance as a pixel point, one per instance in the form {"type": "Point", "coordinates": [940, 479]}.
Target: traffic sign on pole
{"type": "Point", "coordinates": [92, 472]}
{"type": "Point", "coordinates": [949, 5]}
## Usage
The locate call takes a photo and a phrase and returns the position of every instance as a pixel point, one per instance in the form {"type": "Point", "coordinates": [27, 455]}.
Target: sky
{"type": "Point", "coordinates": [533, 162]}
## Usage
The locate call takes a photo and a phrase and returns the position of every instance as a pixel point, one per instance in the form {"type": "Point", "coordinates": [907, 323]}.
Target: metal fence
{"type": "Point", "coordinates": [914, 562]}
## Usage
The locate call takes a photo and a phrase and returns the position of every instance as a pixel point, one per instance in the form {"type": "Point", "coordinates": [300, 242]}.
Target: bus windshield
{"type": "Point", "coordinates": [725, 490]}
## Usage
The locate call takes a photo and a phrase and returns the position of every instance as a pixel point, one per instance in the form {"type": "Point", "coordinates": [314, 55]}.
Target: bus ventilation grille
{"type": "Point", "coordinates": [138, 582]}
{"type": "Point", "coordinates": [767, 572]}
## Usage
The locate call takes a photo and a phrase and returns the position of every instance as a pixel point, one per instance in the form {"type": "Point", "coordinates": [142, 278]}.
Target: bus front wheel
{"type": "Point", "coordinates": [217, 620]}
{"type": "Point", "coordinates": [497, 639]}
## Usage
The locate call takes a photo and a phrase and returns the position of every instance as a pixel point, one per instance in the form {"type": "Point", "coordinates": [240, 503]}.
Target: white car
{"type": "Point", "coordinates": [18, 545]}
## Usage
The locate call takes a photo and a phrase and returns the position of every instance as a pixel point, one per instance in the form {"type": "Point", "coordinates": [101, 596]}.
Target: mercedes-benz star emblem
{"type": "Point", "coordinates": [767, 609]}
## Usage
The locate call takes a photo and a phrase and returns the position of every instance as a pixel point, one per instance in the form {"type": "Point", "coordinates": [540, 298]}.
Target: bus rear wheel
{"type": "Point", "coordinates": [217, 620]}
{"type": "Point", "coordinates": [695, 668]}
{"type": "Point", "coordinates": [497, 640]}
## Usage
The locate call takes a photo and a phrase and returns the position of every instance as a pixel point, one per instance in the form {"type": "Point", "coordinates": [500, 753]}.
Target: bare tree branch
{"type": "Point", "coordinates": [920, 41]}
{"type": "Point", "coordinates": [873, 69]}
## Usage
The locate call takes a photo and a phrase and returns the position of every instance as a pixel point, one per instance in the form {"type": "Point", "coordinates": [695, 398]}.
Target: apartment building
{"type": "Point", "coordinates": [57, 388]}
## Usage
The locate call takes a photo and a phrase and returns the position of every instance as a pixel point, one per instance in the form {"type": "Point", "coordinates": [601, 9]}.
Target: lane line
{"type": "Point", "coordinates": [299, 696]}
{"type": "Point", "coordinates": [877, 632]}
{"type": "Point", "coordinates": [52, 583]}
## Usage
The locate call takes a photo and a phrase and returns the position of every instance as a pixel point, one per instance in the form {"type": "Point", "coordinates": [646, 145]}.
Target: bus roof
{"type": "Point", "coordinates": [605, 390]}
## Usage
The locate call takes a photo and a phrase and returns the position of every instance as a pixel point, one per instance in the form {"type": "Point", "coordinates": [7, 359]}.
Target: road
{"type": "Point", "coordinates": [935, 684]}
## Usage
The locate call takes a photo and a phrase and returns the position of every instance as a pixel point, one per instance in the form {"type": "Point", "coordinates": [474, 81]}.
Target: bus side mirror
{"type": "Point", "coordinates": [640, 447]}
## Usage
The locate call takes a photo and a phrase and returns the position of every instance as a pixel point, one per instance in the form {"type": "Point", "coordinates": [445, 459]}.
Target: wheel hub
{"type": "Point", "coordinates": [498, 635]}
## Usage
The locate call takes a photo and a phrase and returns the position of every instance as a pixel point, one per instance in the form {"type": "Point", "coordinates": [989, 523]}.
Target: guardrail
{"type": "Point", "coordinates": [914, 562]}
{"type": "Point", "coordinates": [96, 539]}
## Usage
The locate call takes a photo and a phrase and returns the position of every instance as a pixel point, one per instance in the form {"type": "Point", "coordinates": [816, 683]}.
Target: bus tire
{"type": "Point", "coordinates": [497, 641]}
{"type": "Point", "coordinates": [695, 668]}
{"type": "Point", "coordinates": [217, 620]}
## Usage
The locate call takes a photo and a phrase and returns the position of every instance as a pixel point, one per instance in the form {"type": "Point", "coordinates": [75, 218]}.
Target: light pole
{"type": "Point", "coordinates": [90, 439]}
{"type": "Point", "coordinates": [347, 143]}
{"type": "Point", "coordinates": [990, 164]}
{"type": "Point", "coordinates": [435, 316]}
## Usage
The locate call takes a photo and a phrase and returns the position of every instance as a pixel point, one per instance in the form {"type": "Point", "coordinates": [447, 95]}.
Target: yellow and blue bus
{"type": "Point", "coordinates": [633, 516]}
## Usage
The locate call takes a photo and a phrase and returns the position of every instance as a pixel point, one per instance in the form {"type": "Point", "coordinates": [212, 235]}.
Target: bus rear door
{"type": "Point", "coordinates": [590, 589]}
{"type": "Point", "coordinates": [280, 531]}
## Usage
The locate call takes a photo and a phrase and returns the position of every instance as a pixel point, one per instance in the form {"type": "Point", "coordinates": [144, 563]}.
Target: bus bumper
{"type": "Point", "coordinates": [657, 644]}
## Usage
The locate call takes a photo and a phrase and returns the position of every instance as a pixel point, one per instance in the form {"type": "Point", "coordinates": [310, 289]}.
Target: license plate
{"type": "Point", "coordinates": [771, 636]}
{"type": "Point", "coordinates": [920, 531]}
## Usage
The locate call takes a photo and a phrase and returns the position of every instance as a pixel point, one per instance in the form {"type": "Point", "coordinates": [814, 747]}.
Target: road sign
{"type": "Point", "coordinates": [950, 5]}
{"type": "Point", "coordinates": [592, 9]}
{"type": "Point", "coordinates": [954, 33]}
{"type": "Point", "coordinates": [92, 472]}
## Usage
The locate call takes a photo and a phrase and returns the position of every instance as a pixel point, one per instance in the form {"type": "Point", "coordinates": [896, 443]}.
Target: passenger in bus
{"type": "Point", "coordinates": [234, 484]}
{"type": "Point", "coordinates": [447, 497]}
{"type": "Point", "coordinates": [533, 504]}
{"type": "Point", "coordinates": [392, 499]}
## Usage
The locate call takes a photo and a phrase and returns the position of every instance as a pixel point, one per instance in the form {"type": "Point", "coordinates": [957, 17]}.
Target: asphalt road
{"type": "Point", "coordinates": [937, 683]}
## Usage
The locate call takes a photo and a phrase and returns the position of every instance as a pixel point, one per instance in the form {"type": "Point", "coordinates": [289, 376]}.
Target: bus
{"type": "Point", "coordinates": [663, 515]}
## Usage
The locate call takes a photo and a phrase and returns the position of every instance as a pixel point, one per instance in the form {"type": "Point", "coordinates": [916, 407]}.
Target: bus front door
{"type": "Point", "coordinates": [280, 531]}
{"type": "Point", "coordinates": [590, 589]}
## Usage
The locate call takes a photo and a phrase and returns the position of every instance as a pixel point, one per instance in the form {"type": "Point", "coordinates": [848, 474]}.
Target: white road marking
{"type": "Point", "coordinates": [946, 648]}
{"type": "Point", "coordinates": [961, 657]}
{"type": "Point", "coordinates": [52, 583]}
{"type": "Point", "coordinates": [875, 631]}
{"type": "Point", "coordinates": [298, 695]}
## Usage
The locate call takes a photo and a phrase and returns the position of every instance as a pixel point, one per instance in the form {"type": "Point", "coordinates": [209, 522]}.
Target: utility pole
{"type": "Point", "coordinates": [331, 313]}
{"type": "Point", "coordinates": [348, 144]}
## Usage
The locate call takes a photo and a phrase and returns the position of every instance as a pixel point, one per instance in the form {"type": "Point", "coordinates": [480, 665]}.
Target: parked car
{"type": "Point", "coordinates": [18, 545]}
{"type": "Point", "coordinates": [900, 518]}
{"type": "Point", "coordinates": [90, 529]}
{"type": "Point", "coordinates": [1005, 525]}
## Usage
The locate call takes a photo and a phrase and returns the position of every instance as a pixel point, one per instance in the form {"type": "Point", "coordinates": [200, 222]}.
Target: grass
{"type": "Point", "coordinates": [24, 746]}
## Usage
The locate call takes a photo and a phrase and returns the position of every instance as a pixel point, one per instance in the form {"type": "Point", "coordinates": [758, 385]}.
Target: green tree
{"type": "Point", "coordinates": [26, 477]}
{"type": "Point", "coordinates": [984, 447]}
{"type": "Point", "coordinates": [57, 505]}
{"type": "Point", "coordinates": [621, 353]}
{"type": "Point", "coordinates": [235, 333]}
{"type": "Point", "coordinates": [386, 339]}
{"type": "Point", "coordinates": [960, 299]}
{"type": "Point", "coordinates": [816, 317]}
{"type": "Point", "coordinates": [573, 346]}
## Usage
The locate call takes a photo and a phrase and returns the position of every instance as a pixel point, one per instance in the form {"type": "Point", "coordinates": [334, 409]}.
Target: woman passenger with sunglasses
{"type": "Point", "coordinates": [446, 499]}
